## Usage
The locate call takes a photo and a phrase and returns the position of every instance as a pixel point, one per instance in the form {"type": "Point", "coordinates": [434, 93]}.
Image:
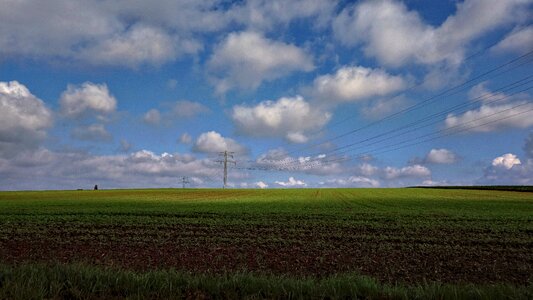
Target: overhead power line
{"type": "Point", "coordinates": [428, 120]}
{"type": "Point", "coordinates": [512, 64]}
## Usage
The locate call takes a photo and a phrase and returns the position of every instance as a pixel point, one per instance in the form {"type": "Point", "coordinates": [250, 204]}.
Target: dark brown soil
{"type": "Point", "coordinates": [411, 255]}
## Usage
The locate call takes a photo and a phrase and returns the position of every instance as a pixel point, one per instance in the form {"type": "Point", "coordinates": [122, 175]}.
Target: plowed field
{"type": "Point", "coordinates": [394, 235]}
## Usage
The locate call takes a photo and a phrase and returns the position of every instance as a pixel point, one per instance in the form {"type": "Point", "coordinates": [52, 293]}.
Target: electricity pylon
{"type": "Point", "coordinates": [225, 161]}
{"type": "Point", "coordinates": [184, 181]}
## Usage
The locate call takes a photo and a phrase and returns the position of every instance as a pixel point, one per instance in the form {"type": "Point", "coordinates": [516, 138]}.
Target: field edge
{"type": "Point", "coordinates": [79, 281]}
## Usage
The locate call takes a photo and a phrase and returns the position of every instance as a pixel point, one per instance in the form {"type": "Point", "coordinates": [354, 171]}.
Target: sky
{"type": "Point", "coordinates": [304, 93]}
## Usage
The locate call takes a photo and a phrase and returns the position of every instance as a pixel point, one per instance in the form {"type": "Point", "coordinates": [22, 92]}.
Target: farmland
{"type": "Point", "coordinates": [394, 236]}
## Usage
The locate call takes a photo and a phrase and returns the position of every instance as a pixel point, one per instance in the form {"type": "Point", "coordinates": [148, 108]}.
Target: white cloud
{"type": "Point", "coordinates": [278, 159]}
{"type": "Point", "coordinates": [520, 40]}
{"type": "Point", "coordinates": [493, 117]}
{"type": "Point", "coordinates": [185, 138]}
{"type": "Point", "coordinates": [94, 132]}
{"type": "Point", "coordinates": [360, 180]}
{"type": "Point", "coordinates": [127, 33]}
{"type": "Point", "coordinates": [440, 156]}
{"type": "Point", "coordinates": [212, 142]}
{"type": "Point", "coordinates": [139, 45]}
{"type": "Point", "coordinates": [187, 109]}
{"type": "Point", "coordinates": [290, 118]}
{"type": "Point", "coordinates": [268, 14]}
{"type": "Point", "coordinates": [409, 171]}
{"type": "Point", "coordinates": [506, 161]}
{"type": "Point", "coordinates": [497, 111]}
{"type": "Point", "coordinates": [396, 36]}
{"type": "Point", "coordinates": [23, 119]}
{"type": "Point", "coordinates": [296, 137]}
{"type": "Point", "coordinates": [71, 170]}
{"type": "Point", "coordinates": [508, 170]}
{"type": "Point", "coordinates": [354, 181]}
{"type": "Point", "coordinates": [383, 107]}
{"type": "Point", "coordinates": [135, 32]}
{"type": "Point", "coordinates": [480, 92]}
{"type": "Point", "coordinates": [79, 100]}
{"type": "Point", "coordinates": [244, 60]}
{"type": "Point", "coordinates": [261, 185]}
{"type": "Point", "coordinates": [350, 84]}
{"type": "Point", "coordinates": [174, 111]}
{"type": "Point", "coordinates": [292, 183]}
{"type": "Point", "coordinates": [153, 117]}
{"type": "Point", "coordinates": [367, 169]}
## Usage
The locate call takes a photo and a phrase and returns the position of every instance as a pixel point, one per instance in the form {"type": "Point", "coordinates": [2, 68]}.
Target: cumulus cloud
{"type": "Point", "coordinates": [396, 36]}
{"type": "Point", "coordinates": [173, 111]}
{"type": "Point", "coordinates": [440, 156]}
{"type": "Point", "coordinates": [132, 33]}
{"type": "Point", "coordinates": [416, 171]}
{"type": "Point", "coordinates": [351, 84]}
{"type": "Point", "coordinates": [213, 142]}
{"type": "Point", "coordinates": [493, 117]}
{"type": "Point", "coordinates": [508, 169]}
{"type": "Point", "coordinates": [352, 181]}
{"type": "Point", "coordinates": [153, 117]}
{"type": "Point", "coordinates": [520, 40]}
{"type": "Point", "coordinates": [480, 92]}
{"type": "Point", "coordinates": [243, 60]}
{"type": "Point", "coordinates": [71, 170]}
{"type": "Point", "coordinates": [87, 98]}
{"type": "Point", "coordinates": [139, 45]}
{"type": "Point", "coordinates": [497, 111]}
{"type": "Point", "coordinates": [185, 138]}
{"type": "Point", "coordinates": [94, 132]}
{"type": "Point", "coordinates": [261, 185]}
{"type": "Point", "coordinates": [267, 14]}
{"type": "Point", "coordinates": [279, 159]}
{"type": "Point", "coordinates": [24, 119]}
{"type": "Point", "coordinates": [290, 118]}
{"type": "Point", "coordinates": [127, 33]}
{"type": "Point", "coordinates": [292, 183]}
{"type": "Point", "coordinates": [366, 169]}
{"type": "Point", "coordinates": [383, 107]}
{"type": "Point", "coordinates": [187, 109]}
{"type": "Point", "coordinates": [506, 161]}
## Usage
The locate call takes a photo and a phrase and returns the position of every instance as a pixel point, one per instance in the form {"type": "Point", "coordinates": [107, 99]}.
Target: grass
{"type": "Point", "coordinates": [39, 281]}
{"type": "Point", "coordinates": [307, 243]}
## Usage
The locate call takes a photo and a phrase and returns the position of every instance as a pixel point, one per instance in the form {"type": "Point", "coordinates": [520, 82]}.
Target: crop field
{"type": "Point", "coordinates": [395, 236]}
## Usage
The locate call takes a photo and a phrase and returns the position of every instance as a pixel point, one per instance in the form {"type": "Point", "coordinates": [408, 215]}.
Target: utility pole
{"type": "Point", "coordinates": [225, 161]}
{"type": "Point", "coordinates": [184, 181]}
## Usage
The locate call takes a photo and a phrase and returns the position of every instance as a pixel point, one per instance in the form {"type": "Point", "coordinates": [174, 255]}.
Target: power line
{"type": "Point", "coordinates": [415, 85]}
{"type": "Point", "coordinates": [427, 100]}
{"type": "Point", "coordinates": [467, 128]}
{"type": "Point", "coordinates": [432, 118]}
{"type": "Point", "coordinates": [447, 132]}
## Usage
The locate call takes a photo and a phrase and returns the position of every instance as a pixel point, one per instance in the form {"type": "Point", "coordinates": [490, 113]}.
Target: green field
{"type": "Point", "coordinates": [367, 242]}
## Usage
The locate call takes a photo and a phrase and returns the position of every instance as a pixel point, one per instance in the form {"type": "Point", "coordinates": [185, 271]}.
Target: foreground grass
{"type": "Point", "coordinates": [41, 281]}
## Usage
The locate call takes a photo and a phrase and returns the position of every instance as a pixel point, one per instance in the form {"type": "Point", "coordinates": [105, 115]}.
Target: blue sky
{"type": "Point", "coordinates": [307, 93]}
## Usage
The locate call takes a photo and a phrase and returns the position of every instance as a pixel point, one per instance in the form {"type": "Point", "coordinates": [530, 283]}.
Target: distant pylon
{"type": "Point", "coordinates": [184, 181]}
{"type": "Point", "coordinates": [225, 161]}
